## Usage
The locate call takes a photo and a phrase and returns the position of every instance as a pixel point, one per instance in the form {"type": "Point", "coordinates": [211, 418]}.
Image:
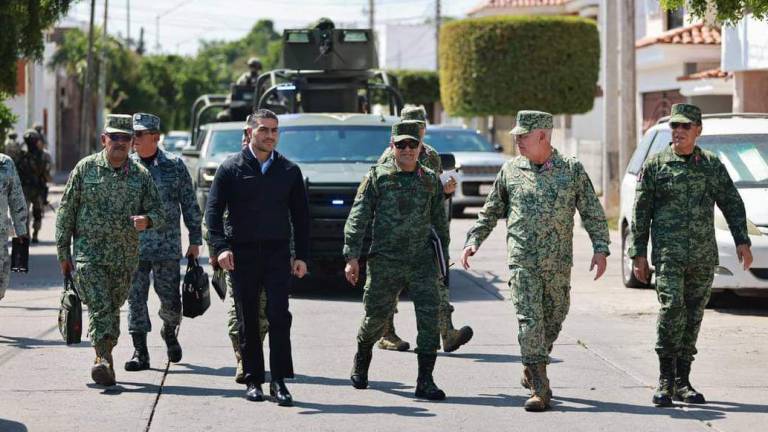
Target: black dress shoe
{"type": "Point", "coordinates": [254, 393]}
{"type": "Point", "coordinates": [280, 392]}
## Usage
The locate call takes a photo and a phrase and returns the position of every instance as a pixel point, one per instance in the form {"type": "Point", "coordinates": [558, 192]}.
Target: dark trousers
{"type": "Point", "coordinates": [263, 265]}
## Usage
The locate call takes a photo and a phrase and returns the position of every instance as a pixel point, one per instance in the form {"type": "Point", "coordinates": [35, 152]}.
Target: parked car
{"type": "Point", "coordinates": [741, 143]}
{"type": "Point", "coordinates": [175, 141]}
{"type": "Point", "coordinates": [477, 163]}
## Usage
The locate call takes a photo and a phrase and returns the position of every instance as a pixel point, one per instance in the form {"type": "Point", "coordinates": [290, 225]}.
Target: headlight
{"type": "Point", "coordinates": [720, 270]}
{"type": "Point", "coordinates": [205, 176]}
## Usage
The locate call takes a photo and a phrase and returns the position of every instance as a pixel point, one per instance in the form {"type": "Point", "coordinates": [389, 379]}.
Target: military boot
{"type": "Point", "coordinates": [541, 394]}
{"type": "Point", "coordinates": [362, 362]}
{"type": "Point", "coordinates": [172, 343]}
{"type": "Point", "coordinates": [453, 339]}
{"type": "Point", "coordinates": [425, 384]}
{"type": "Point", "coordinates": [140, 359]}
{"type": "Point", "coordinates": [34, 237]}
{"type": "Point", "coordinates": [663, 395]}
{"type": "Point", "coordinates": [239, 374]}
{"type": "Point", "coordinates": [102, 371]}
{"type": "Point", "coordinates": [684, 391]}
{"type": "Point", "coordinates": [390, 340]}
{"type": "Point", "coordinates": [525, 381]}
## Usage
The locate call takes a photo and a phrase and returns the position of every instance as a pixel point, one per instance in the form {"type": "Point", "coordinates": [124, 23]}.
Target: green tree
{"type": "Point", "coordinates": [727, 12]}
{"type": "Point", "coordinates": [7, 117]}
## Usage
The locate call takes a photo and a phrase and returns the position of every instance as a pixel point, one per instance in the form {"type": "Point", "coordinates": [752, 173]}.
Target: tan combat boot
{"type": "Point", "coordinates": [540, 391]}
{"type": "Point", "coordinates": [102, 371]}
{"type": "Point", "coordinates": [390, 340]}
{"type": "Point", "coordinates": [239, 374]}
{"type": "Point", "coordinates": [453, 339]}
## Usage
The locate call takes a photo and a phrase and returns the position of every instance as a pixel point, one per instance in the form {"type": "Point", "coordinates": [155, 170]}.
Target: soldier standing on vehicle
{"type": "Point", "coordinates": [452, 339]}
{"type": "Point", "coordinates": [11, 199]}
{"type": "Point", "coordinates": [254, 70]}
{"type": "Point", "coordinates": [404, 201]}
{"type": "Point", "coordinates": [34, 173]}
{"type": "Point", "coordinates": [107, 201]}
{"type": "Point", "coordinates": [160, 249]}
{"type": "Point", "coordinates": [677, 190]}
{"type": "Point", "coordinates": [538, 192]}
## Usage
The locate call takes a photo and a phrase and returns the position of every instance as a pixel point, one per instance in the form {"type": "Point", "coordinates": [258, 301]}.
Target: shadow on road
{"type": "Point", "coordinates": [730, 303]}
{"type": "Point", "coordinates": [713, 410]}
{"type": "Point", "coordinates": [490, 358]}
{"type": "Point", "coordinates": [11, 426]}
{"type": "Point", "coordinates": [485, 284]}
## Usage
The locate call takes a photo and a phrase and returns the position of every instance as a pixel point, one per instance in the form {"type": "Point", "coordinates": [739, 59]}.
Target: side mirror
{"type": "Point", "coordinates": [498, 148]}
{"type": "Point", "coordinates": [448, 161]}
{"type": "Point", "coordinates": [190, 152]}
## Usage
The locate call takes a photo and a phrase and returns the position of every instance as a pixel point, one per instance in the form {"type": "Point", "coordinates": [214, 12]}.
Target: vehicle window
{"type": "Point", "coordinates": [333, 143]}
{"type": "Point", "coordinates": [457, 141]}
{"type": "Point", "coordinates": [639, 156]}
{"type": "Point", "coordinates": [175, 143]}
{"type": "Point", "coordinates": [660, 142]}
{"type": "Point", "coordinates": [200, 139]}
{"type": "Point", "coordinates": [225, 142]}
{"type": "Point", "coordinates": [744, 156]}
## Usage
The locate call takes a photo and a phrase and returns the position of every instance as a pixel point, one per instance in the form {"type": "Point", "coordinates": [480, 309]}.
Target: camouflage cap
{"type": "Point", "coordinates": [31, 135]}
{"type": "Point", "coordinates": [414, 113]}
{"type": "Point", "coordinates": [406, 130]}
{"type": "Point", "coordinates": [529, 120]}
{"type": "Point", "coordinates": [118, 123]}
{"type": "Point", "coordinates": [685, 113]}
{"type": "Point", "coordinates": [146, 122]}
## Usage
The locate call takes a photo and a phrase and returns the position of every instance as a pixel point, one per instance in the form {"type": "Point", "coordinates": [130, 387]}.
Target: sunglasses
{"type": "Point", "coordinates": [117, 136]}
{"type": "Point", "coordinates": [411, 144]}
{"type": "Point", "coordinates": [686, 126]}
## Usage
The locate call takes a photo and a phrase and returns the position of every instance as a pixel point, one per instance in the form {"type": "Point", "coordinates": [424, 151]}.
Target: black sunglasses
{"type": "Point", "coordinates": [118, 136]}
{"type": "Point", "coordinates": [407, 143]}
{"type": "Point", "coordinates": [675, 125]}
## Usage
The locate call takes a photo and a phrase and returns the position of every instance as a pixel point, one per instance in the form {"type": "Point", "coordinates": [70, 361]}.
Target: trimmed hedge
{"type": "Point", "coordinates": [418, 87]}
{"type": "Point", "coordinates": [500, 65]}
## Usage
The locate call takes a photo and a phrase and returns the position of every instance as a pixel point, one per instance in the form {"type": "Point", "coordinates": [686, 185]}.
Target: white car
{"type": "Point", "coordinates": [741, 143]}
{"type": "Point", "coordinates": [477, 163]}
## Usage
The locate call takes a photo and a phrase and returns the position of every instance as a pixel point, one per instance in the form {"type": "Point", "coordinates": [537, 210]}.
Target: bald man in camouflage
{"type": "Point", "coordinates": [538, 193]}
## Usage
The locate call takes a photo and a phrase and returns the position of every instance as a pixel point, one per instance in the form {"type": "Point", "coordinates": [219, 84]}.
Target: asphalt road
{"type": "Point", "coordinates": [603, 371]}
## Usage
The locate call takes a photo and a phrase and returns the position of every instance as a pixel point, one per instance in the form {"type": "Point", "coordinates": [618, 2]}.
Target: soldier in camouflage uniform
{"type": "Point", "coordinates": [34, 172]}
{"type": "Point", "coordinates": [11, 199]}
{"type": "Point", "coordinates": [452, 339]}
{"type": "Point", "coordinates": [538, 193]}
{"type": "Point", "coordinates": [160, 249]}
{"type": "Point", "coordinates": [107, 201]}
{"type": "Point", "coordinates": [404, 201]}
{"type": "Point", "coordinates": [11, 146]}
{"type": "Point", "coordinates": [676, 193]}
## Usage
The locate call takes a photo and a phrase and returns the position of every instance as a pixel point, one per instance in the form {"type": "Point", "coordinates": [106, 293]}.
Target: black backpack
{"type": "Point", "coordinates": [195, 294]}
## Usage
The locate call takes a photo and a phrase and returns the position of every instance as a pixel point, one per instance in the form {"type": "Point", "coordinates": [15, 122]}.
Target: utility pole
{"type": "Point", "coordinates": [85, 112]}
{"type": "Point", "coordinates": [438, 22]}
{"type": "Point", "coordinates": [157, 22]}
{"type": "Point", "coordinates": [102, 73]}
{"type": "Point", "coordinates": [29, 96]}
{"type": "Point", "coordinates": [610, 108]}
{"type": "Point", "coordinates": [371, 16]}
{"type": "Point", "coordinates": [128, 22]}
{"type": "Point", "coordinates": [628, 92]}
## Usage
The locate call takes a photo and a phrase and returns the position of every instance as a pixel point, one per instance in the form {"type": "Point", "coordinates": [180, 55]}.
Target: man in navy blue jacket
{"type": "Point", "coordinates": [264, 193]}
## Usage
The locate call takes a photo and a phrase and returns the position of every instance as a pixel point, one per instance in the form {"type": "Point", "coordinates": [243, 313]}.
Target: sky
{"type": "Point", "coordinates": [183, 23]}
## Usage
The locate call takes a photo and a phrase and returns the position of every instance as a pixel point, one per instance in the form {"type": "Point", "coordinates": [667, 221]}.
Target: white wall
{"type": "Point", "coordinates": [407, 47]}
{"type": "Point", "coordinates": [745, 46]}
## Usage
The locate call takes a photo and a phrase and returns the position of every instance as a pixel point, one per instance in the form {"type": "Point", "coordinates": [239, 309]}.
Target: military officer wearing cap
{"type": "Point", "coordinates": [107, 201]}
{"type": "Point", "coordinates": [538, 193]}
{"type": "Point", "coordinates": [11, 146]}
{"type": "Point", "coordinates": [160, 249]}
{"type": "Point", "coordinates": [403, 200]}
{"type": "Point", "coordinates": [677, 190]}
{"type": "Point", "coordinates": [452, 339]}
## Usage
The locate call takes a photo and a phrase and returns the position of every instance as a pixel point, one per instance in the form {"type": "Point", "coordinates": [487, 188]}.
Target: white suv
{"type": "Point", "coordinates": [741, 143]}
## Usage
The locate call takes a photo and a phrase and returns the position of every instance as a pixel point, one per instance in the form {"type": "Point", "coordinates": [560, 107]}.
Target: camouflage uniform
{"type": "Point", "coordinates": [95, 209]}
{"type": "Point", "coordinates": [34, 172]}
{"type": "Point", "coordinates": [539, 204]}
{"type": "Point", "coordinates": [402, 207]}
{"type": "Point", "coordinates": [675, 205]}
{"type": "Point", "coordinates": [160, 249]}
{"type": "Point", "coordinates": [11, 199]}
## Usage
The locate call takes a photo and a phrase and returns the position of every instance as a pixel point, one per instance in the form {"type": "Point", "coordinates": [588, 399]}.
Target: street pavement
{"type": "Point", "coordinates": [603, 372]}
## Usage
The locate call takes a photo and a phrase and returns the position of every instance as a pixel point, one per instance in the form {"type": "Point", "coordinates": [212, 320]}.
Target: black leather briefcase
{"type": "Point", "coordinates": [70, 313]}
{"type": "Point", "coordinates": [195, 292]}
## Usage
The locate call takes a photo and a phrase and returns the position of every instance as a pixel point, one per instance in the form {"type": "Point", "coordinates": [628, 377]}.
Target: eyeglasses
{"type": "Point", "coordinates": [139, 134]}
{"type": "Point", "coordinates": [411, 144]}
{"type": "Point", "coordinates": [675, 125]}
{"type": "Point", "coordinates": [117, 136]}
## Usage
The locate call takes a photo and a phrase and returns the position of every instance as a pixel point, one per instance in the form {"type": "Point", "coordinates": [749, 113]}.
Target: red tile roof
{"type": "Point", "coordinates": [707, 74]}
{"type": "Point", "coordinates": [697, 34]}
{"type": "Point", "coordinates": [493, 4]}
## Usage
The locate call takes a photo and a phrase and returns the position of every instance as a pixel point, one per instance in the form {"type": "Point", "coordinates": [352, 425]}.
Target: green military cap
{"type": "Point", "coordinates": [146, 122]}
{"type": "Point", "coordinates": [414, 113]}
{"type": "Point", "coordinates": [406, 130]}
{"type": "Point", "coordinates": [685, 113]}
{"type": "Point", "coordinates": [530, 120]}
{"type": "Point", "coordinates": [118, 123]}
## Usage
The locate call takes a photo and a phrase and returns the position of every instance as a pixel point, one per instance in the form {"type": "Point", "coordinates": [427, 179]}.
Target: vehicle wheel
{"type": "Point", "coordinates": [457, 211]}
{"type": "Point", "coordinates": [627, 276]}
